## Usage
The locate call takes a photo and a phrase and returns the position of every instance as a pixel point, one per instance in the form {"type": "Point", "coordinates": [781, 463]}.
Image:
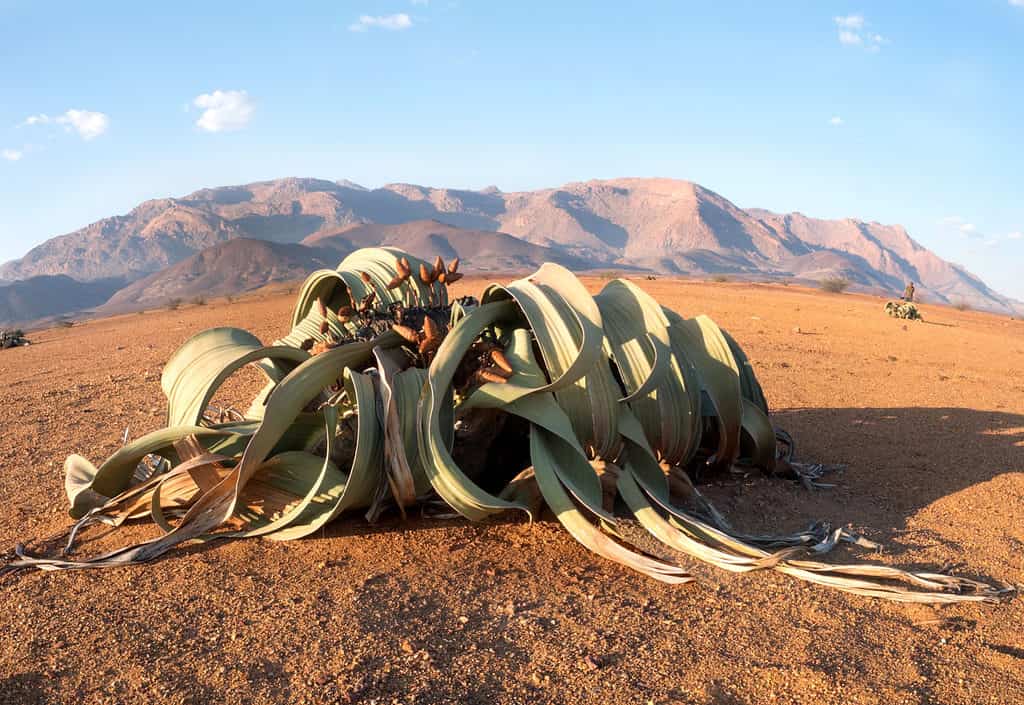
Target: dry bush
{"type": "Point", "coordinates": [720, 278]}
{"type": "Point", "coordinates": [961, 305]}
{"type": "Point", "coordinates": [835, 285]}
{"type": "Point", "coordinates": [199, 300]}
{"type": "Point", "coordinates": [173, 304]}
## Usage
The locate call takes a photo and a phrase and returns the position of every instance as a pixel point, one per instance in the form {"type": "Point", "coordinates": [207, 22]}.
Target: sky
{"type": "Point", "coordinates": [897, 112]}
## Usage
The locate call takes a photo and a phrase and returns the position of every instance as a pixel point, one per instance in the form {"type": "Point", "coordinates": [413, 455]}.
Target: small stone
{"type": "Point", "coordinates": [406, 646]}
{"type": "Point", "coordinates": [587, 663]}
{"type": "Point", "coordinates": [463, 619]}
{"type": "Point", "coordinates": [797, 330]}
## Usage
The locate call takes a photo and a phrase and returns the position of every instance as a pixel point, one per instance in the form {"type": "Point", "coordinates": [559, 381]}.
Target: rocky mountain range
{"type": "Point", "coordinates": [660, 225]}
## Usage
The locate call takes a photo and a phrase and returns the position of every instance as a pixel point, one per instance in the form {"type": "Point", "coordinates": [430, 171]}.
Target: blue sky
{"type": "Point", "coordinates": [901, 112]}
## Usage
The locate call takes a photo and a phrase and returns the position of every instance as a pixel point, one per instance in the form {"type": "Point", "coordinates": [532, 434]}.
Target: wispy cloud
{"type": "Point", "coordinates": [89, 124]}
{"type": "Point", "coordinates": [1017, 235]}
{"type": "Point", "coordinates": [11, 155]}
{"type": "Point", "coordinates": [961, 225]}
{"type": "Point", "coordinates": [836, 120]}
{"type": "Point", "coordinates": [224, 111]}
{"type": "Point", "coordinates": [40, 119]}
{"type": "Point", "coordinates": [853, 32]}
{"type": "Point", "coordinates": [1017, 3]}
{"type": "Point", "coordinates": [395, 22]}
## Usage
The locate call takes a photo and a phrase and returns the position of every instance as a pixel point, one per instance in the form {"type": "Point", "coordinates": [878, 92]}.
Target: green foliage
{"type": "Point", "coordinates": [903, 309]}
{"type": "Point", "coordinates": [605, 387]}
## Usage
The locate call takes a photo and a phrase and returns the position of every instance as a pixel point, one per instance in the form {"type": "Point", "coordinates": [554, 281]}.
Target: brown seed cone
{"type": "Point", "coordinates": [452, 278]}
{"type": "Point", "coordinates": [498, 371]}
{"type": "Point", "coordinates": [407, 333]}
{"type": "Point", "coordinates": [345, 312]}
{"type": "Point", "coordinates": [453, 266]}
{"type": "Point", "coordinates": [320, 347]}
{"type": "Point", "coordinates": [430, 329]}
{"type": "Point", "coordinates": [489, 375]}
{"type": "Point", "coordinates": [405, 264]}
{"type": "Point", "coordinates": [396, 282]}
{"type": "Point", "coordinates": [367, 301]}
{"type": "Point", "coordinates": [429, 344]}
{"type": "Point", "coordinates": [324, 327]}
{"type": "Point", "coordinates": [498, 356]}
{"type": "Point", "coordinates": [426, 275]}
{"type": "Point", "coordinates": [438, 266]}
{"type": "Point", "coordinates": [442, 276]}
{"type": "Point", "coordinates": [365, 277]}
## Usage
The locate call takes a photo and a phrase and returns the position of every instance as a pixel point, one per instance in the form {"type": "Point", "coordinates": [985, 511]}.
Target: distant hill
{"type": "Point", "coordinates": [662, 225]}
{"type": "Point", "coordinates": [228, 268]}
{"type": "Point", "coordinates": [478, 250]}
{"type": "Point", "coordinates": [41, 297]}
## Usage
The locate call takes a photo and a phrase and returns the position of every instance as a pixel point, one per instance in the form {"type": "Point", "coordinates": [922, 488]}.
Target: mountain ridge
{"type": "Point", "coordinates": [658, 224]}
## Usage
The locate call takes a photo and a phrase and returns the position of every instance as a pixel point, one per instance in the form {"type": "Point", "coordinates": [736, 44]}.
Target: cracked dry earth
{"type": "Point", "coordinates": [928, 417]}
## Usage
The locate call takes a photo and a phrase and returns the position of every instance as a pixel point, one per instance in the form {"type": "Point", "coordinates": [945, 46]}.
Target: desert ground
{"type": "Point", "coordinates": [928, 417]}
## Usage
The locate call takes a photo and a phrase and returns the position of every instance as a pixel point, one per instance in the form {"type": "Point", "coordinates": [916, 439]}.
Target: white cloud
{"type": "Point", "coordinates": [992, 242]}
{"type": "Point", "coordinates": [87, 123]}
{"type": "Point", "coordinates": [40, 119]}
{"type": "Point", "coordinates": [961, 225]}
{"type": "Point", "coordinates": [850, 38]}
{"type": "Point", "coordinates": [224, 111]}
{"type": "Point", "coordinates": [850, 22]}
{"type": "Point", "coordinates": [836, 120]}
{"type": "Point", "coordinates": [852, 33]}
{"type": "Point", "coordinates": [12, 155]}
{"type": "Point", "coordinates": [394, 22]}
{"type": "Point", "coordinates": [1017, 3]}
{"type": "Point", "coordinates": [1016, 235]}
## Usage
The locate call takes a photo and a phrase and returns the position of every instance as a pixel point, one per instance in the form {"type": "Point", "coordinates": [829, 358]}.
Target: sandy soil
{"type": "Point", "coordinates": [929, 418]}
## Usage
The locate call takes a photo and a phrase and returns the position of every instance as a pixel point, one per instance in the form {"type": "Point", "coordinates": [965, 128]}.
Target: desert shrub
{"type": "Point", "coordinates": [199, 301]}
{"type": "Point", "coordinates": [720, 278]}
{"type": "Point", "coordinates": [835, 285]}
{"type": "Point", "coordinates": [65, 323]}
{"type": "Point", "coordinates": [961, 305]}
{"type": "Point", "coordinates": [173, 304]}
